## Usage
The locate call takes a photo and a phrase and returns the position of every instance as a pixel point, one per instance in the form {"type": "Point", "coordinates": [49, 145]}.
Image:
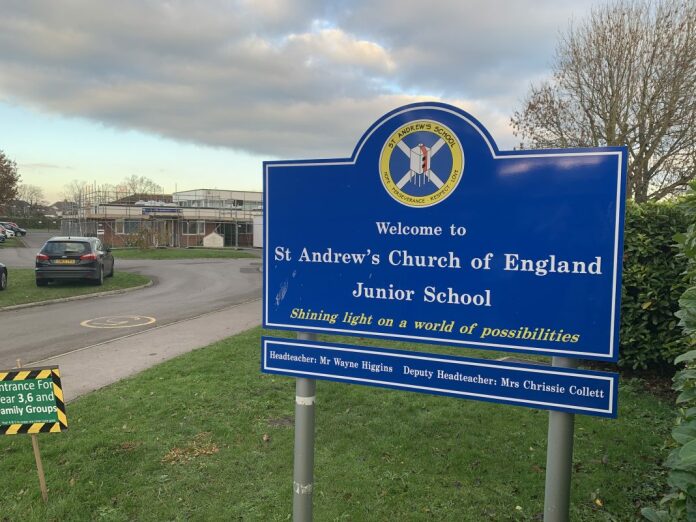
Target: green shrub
{"type": "Point", "coordinates": [653, 281]}
{"type": "Point", "coordinates": [680, 503]}
{"type": "Point", "coordinates": [39, 223]}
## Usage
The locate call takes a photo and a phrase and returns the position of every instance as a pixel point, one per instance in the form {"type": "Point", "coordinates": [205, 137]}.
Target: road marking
{"type": "Point", "coordinates": [133, 334]}
{"type": "Point", "coordinates": [118, 321]}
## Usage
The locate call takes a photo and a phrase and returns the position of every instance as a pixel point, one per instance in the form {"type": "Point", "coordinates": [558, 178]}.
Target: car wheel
{"type": "Point", "coordinates": [42, 282]}
{"type": "Point", "coordinates": [3, 279]}
{"type": "Point", "coordinates": [111, 274]}
{"type": "Point", "coordinates": [100, 277]}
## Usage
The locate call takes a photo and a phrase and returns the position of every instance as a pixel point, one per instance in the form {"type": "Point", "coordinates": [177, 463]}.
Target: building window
{"type": "Point", "coordinates": [127, 226]}
{"type": "Point", "coordinates": [194, 228]}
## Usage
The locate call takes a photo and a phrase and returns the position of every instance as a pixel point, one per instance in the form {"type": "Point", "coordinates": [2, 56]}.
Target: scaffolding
{"type": "Point", "coordinates": [124, 218]}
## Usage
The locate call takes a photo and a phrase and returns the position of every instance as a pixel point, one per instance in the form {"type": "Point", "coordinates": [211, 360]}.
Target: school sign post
{"type": "Point", "coordinates": [428, 233]}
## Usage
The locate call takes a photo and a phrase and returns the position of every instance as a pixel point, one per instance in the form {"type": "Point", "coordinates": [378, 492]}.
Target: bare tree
{"type": "Point", "coordinates": [31, 194]}
{"type": "Point", "coordinates": [74, 192]}
{"type": "Point", "coordinates": [624, 76]}
{"type": "Point", "coordinates": [9, 179]}
{"type": "Point", "coordinates": [140, 185]}
{"type": "Point", "coordinates": [74, 195]}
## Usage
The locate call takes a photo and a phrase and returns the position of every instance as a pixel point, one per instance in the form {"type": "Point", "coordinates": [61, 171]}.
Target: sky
{"type": "Point", "coordinates": [198, 94]}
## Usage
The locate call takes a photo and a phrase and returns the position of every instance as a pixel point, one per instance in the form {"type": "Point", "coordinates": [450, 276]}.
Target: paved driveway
{"type": "Point", "coordinates": [183, 289]}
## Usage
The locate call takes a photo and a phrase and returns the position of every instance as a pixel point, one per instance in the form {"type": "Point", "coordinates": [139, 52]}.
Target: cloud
{"type": "Point", "coordinates": [44, 166]}
{"type": "Point", "coordinates": [272, 77]}
{"type": "Point", "coordinates": [334, 47]}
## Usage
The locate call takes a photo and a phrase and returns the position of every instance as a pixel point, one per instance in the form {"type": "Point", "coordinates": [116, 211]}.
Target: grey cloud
{"type": "Point", "coordinates": [287, 79]}
{"type": "Point", "coordinates": [457, 47]}
{"type": "Point", "coordinates": [44, 166]}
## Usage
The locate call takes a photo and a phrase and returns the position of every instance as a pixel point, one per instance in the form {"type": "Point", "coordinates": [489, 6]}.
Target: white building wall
{"type": "Point", "coordinates": [258, 232]}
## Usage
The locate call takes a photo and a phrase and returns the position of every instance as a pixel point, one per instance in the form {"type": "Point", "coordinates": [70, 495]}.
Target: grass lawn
{"type": "Point", "coordinates": [180, 253]}
{"type": "Point", "coordinates": [21, 287]}
{"type": "Point", "coordinates": [208, 437]}
{"type": "Point", "coordinates": [12, 243]}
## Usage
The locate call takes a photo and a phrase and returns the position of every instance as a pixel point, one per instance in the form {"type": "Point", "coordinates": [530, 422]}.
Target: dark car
{"type": "Point", "coordinates": [3, 276]}
{"type": "Point", "coordinates": [73, 258]}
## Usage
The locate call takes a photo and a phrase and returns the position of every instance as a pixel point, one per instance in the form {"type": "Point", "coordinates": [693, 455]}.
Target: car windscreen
{"type": "Point", "coordinates": [66, 248]}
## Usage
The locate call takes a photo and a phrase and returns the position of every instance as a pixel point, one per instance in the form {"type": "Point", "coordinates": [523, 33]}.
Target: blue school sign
{"type": "Point", "coordinates": [429, 233]}
{"type": "Point", "coordinates": [545, 387]}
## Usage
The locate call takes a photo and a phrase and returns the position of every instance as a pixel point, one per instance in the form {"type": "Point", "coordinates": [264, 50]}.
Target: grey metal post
{"type": "Point", "coordinates": [559, 458]}
{"type": "Point", "coordinates": [303, 470]}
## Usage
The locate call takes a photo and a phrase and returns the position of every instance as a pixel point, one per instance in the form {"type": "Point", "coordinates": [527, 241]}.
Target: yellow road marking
{"type": "Point", "coordinates": [118, 321]}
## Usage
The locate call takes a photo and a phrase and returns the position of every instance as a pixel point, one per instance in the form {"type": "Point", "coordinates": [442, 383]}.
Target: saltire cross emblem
{"type": "Point", "coordinates": [420, 158]}
{"type": "Point", "coordinates": [421, 174]}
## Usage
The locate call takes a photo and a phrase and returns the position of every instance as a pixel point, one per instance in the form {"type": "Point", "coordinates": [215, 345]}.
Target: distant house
{"type": "Point", "coordinates": [57, 209]}
{"type": "Point", "coordinates": [17, 207]}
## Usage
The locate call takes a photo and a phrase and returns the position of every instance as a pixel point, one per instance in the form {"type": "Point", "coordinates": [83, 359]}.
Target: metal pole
{"type": "Point", "coordinates": [559, 458]}
{"type": "Point", "coordinates": [303, 470]}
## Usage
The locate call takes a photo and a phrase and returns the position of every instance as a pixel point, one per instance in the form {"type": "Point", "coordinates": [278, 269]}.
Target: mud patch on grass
{"type": "Point", "coordinates": [281, 422]}
{"type": "Point", "coordinates": [201, 445]}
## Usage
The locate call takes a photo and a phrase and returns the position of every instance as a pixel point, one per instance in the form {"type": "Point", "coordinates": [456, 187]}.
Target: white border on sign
{"type": "Point", "coordinates": [439, 340]}
{"type": "Point", "coordinates": [502, 366]}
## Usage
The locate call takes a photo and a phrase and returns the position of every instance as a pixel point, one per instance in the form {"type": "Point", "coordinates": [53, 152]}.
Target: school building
{"type": "Point", "coordinates": [202, 217]}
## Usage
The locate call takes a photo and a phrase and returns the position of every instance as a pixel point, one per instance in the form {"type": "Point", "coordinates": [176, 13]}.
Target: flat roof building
{"type": "Point", "coordinates": [201, 217]}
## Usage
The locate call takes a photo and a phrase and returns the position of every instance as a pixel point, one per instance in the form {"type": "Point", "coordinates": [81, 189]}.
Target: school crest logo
{"type": "Point", "coordinates": [421, 163]}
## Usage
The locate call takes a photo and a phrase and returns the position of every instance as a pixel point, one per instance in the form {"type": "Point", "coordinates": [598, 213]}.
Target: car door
{"type": "Point", "coordinates": [106, 257]}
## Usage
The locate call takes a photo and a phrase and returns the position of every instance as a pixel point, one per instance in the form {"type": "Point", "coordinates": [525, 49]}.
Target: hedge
{"type": "Point", "coordinates": [680, 503]}
{"type": "Point", "coordinates": [653, 281]}
{"type": "Point", "coordinates": [34, 222]}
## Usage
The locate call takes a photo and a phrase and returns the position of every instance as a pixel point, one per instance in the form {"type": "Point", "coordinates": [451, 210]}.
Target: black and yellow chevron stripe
{"type": "Point", "coordinates": [38, 427]}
